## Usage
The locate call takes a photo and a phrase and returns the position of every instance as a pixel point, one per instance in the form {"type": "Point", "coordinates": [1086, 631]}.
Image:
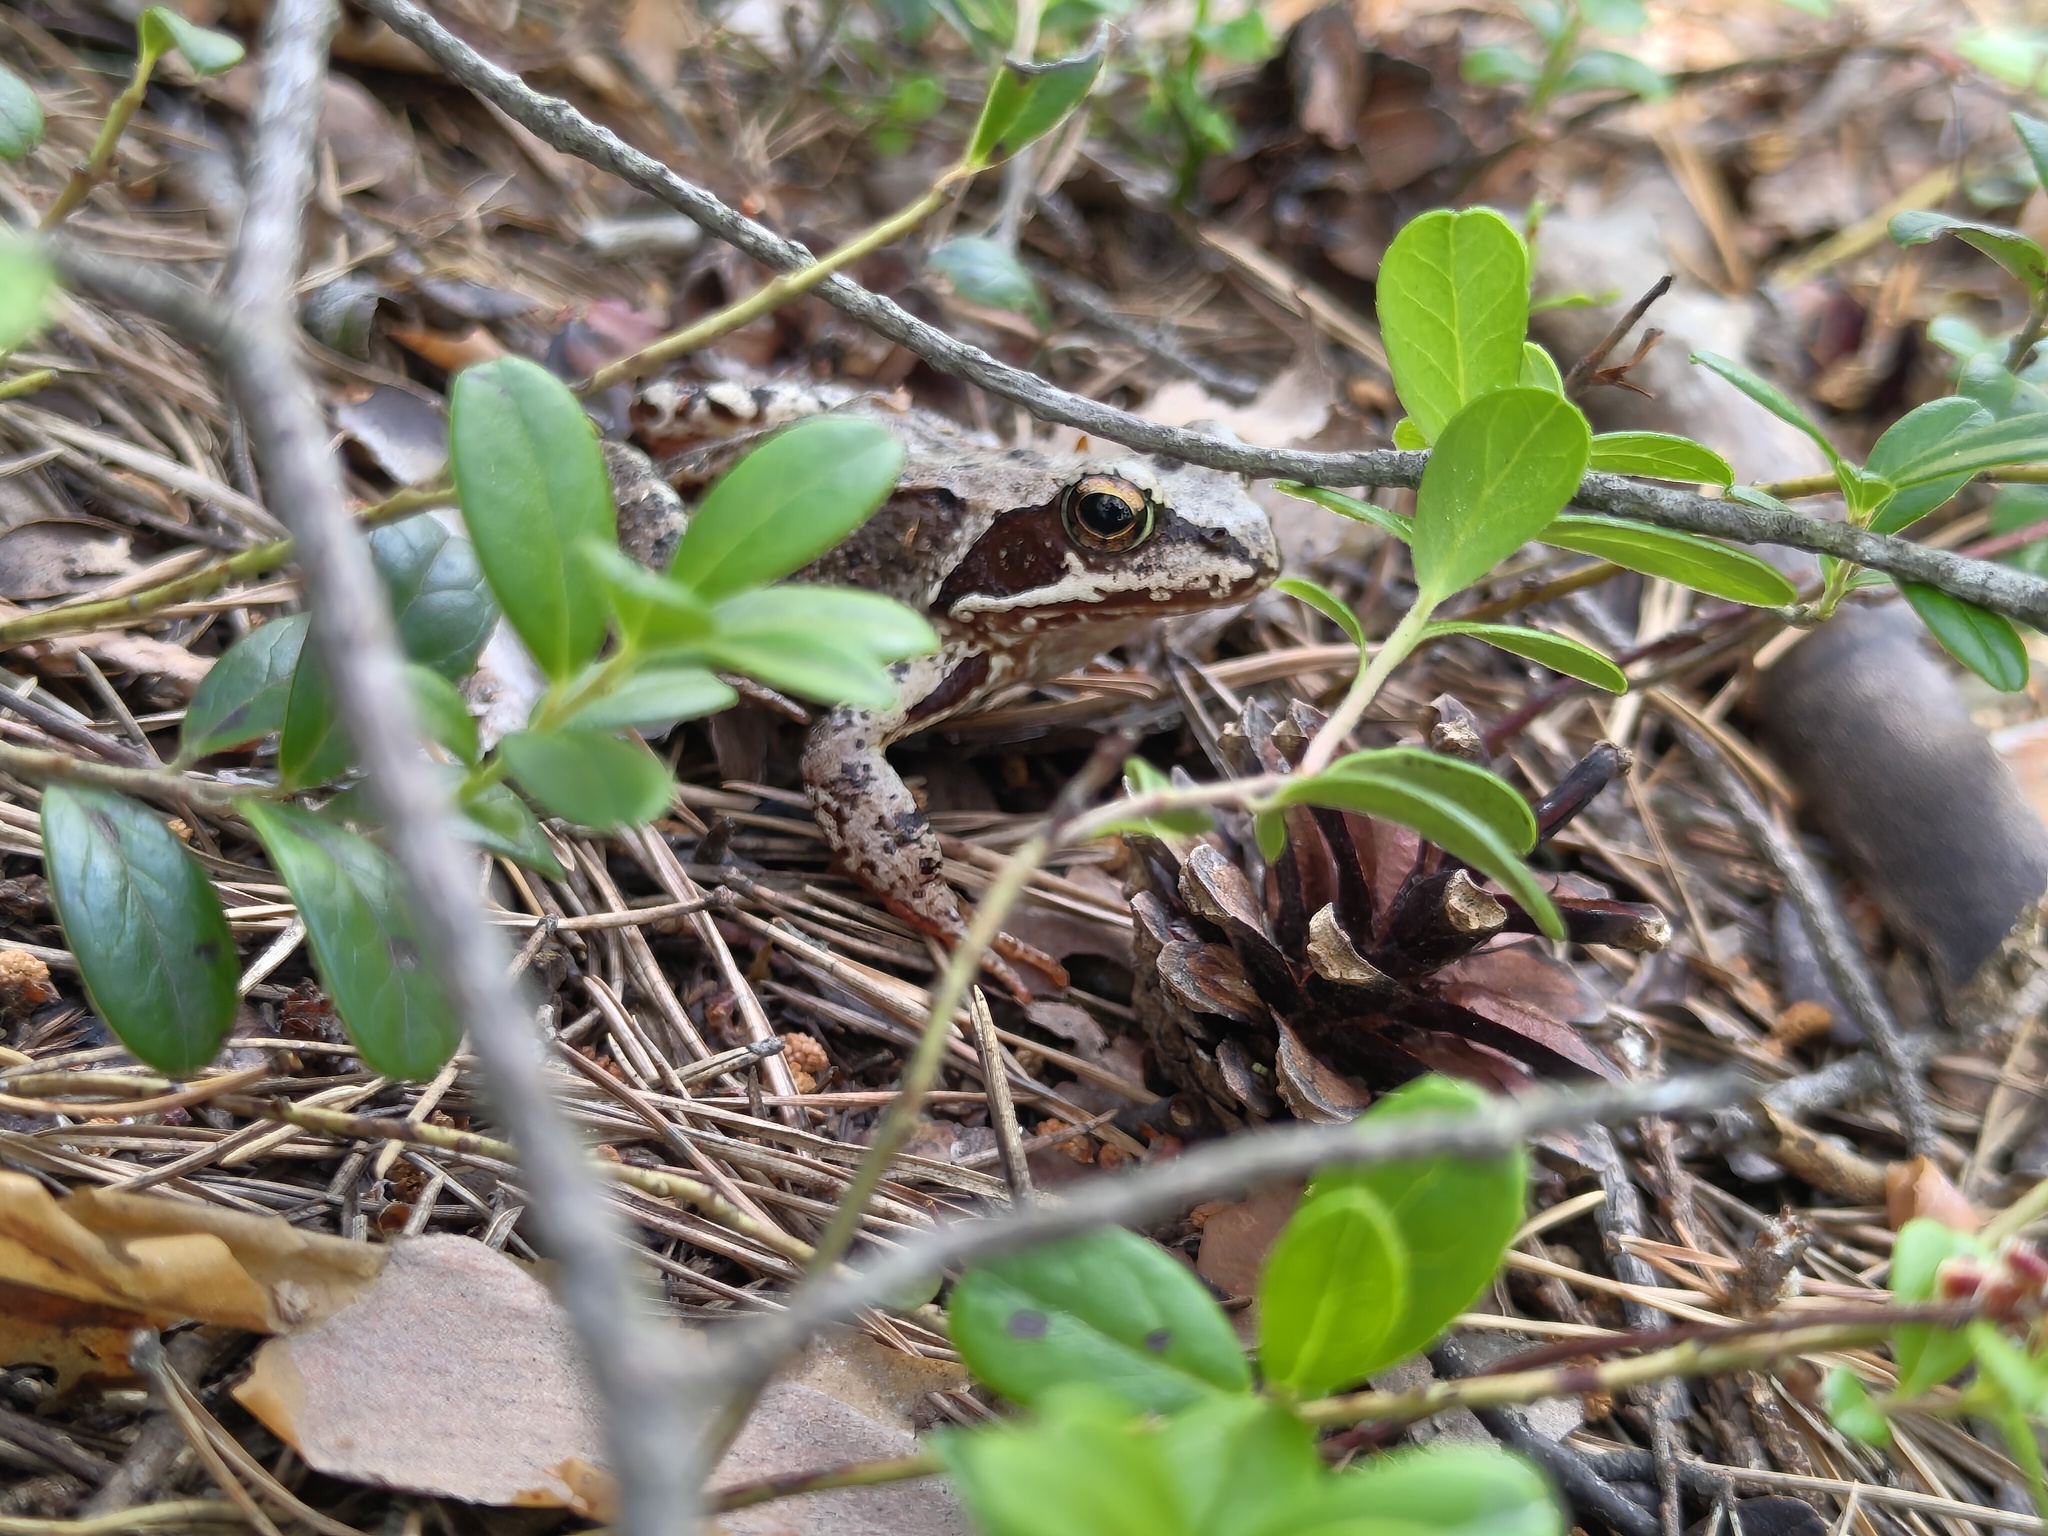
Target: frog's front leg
{"type": "Point", "coordinates": [873, 824]}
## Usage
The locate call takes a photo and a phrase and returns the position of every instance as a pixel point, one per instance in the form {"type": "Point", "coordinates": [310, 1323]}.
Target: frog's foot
{"type": "Point", "coordinates": [937, 912]}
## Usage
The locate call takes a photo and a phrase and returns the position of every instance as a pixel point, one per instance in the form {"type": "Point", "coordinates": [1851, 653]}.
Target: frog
{"type": "Point", "coordinates": [1029, 562]}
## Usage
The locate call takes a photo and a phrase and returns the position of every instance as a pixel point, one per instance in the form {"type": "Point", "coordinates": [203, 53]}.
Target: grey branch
{"type": "Point", "coordinates": [2002, 588]}
{"type": "Point", "coordinates": [635, 1362]}
{"type": "Point", "coordinates": [1159, 1191]}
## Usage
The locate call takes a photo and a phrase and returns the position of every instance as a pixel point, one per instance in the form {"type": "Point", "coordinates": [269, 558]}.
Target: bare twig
{"type": "Point", "coordinates": [1002, 1109]}
{"type": "Point", "coordinates": [2001, 588]}
{"type": "Point", "coordinates": [1575, 379]}
{"type": "Point", "coordinates": [1841, 957]}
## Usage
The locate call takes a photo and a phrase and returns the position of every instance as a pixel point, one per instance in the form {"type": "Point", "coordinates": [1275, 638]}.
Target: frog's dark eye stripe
{"type": "Point", "coordinates": [1107, 514]}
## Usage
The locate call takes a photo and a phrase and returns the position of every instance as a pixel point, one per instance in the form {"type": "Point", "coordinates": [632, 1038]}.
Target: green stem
{"type": "Point", "coordinates": [1392, 652]}
{"type": "Point", "coordinates": [777, 291]}
{"type": "Point", "coordinates": [40, 766]}
{"type": "Point", "coordinates": [27, 384]}
{"type": "Point", "coordinates": [93, 169]}
{"type": "Point", "coordinates": [922, 1070]}
{"type": "Point", "coordinates": [858, 1474]}
{"type": "Point", "coordinates": [595, 683]}
{"type": "Point", "coordinates": [2024, 339]}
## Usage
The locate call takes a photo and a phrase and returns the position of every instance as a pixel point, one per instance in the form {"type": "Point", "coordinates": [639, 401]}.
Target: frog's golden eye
{"type": "Point", "coordinates": [1107, 514]}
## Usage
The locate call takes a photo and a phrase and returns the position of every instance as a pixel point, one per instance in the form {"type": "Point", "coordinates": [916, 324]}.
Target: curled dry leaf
{"type": "Point", "coordinates": [454, 1373]}
{"type": "Point", "coordinates": [1918, 1187]}
{"type": "Point", "coordinates": [78, 1275]}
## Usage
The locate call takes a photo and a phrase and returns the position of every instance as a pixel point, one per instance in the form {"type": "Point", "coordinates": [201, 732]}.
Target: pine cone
{"type": "Point", "coordinates": [1363, 956]}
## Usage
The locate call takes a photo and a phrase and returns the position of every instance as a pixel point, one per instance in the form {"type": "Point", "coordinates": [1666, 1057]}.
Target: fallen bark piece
{"type": "Point", "coordinates": [454, 1374]}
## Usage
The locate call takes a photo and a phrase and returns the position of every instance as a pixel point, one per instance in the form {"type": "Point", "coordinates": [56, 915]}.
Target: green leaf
{"type": "Point", "coordinates": [1141, 778]}
{"type": "Point", "coordinates": [1571, 657]}
{"type": "Point", "coordinates": [654, 697]}
{"type": "Point", "coordinates": [443, 711]}
{"type": "Point", "coordinates": [2017, 1377]}
{"type": "Point", "coordinates": [1326, 603]}
{"type": "Point", "coordinates": [1756, 496]}
{"type": "Point", "coordinates": [439, 598]}
{"type": "Point", "coordinates": [2021, 257]}
{"type": "Point", "coordinates": [1269, 831]}
{"type": "Point", "coordinates": [21, 116]}
{"type": "Point", "coordinates": [1849, 1407]}
{"type": "Point", "coordinates": [242, 697]}
{"type": "Point", "coordinates": [1444, 1490]}
{"type": "Point", "coordinates": [1706, 565]}
{"type": "Point", "coordinates": [160, 29]}
{"type": "Point", "coordinates": [2033, 135]}
{"type": "Point", "coordinates": [1926, 1355]}
{"type": "Point", "coordinates": [1499, 64]}
{"type": "Point", "coordinates": [314, 749]}
{"type": "Point", "coordinates": [984, 271]}
{"type": "Point", "coordinates": [364, 941]}
{"type": "Point", "coordinates": [1539, 371]}
{"type": "Point", "coordinates": [1455, 1216]}
{"type": "Point", "coordinates": [809, 666]}
{"type": "Point", "coordinates": [1602, 69]}
{"type": "Point", "coordinates": [1904, 508]}
{"type": "Point", "coordinates": [597, 781]}
{"type": "Point", "coordinates": [1453, 298]}
{"type": "Point", "coordinates": [1109, 1309]}
{"type": "Point", "coordinates": [1623, 18]}
{"type": "Point", "coordinates": [1966, 450]}
{"type": "Point", "coordinates": [1244, 39]}
{"type": "Point", "coordinates": [1331, 1293]}
{"type": "Point", "coordinates": [1981, 640]}
{"type": "Point", "coordinates": [1459, 806]}
{"type": "Point", "coordinates": [1769, 396]}
{"type": "Point", "coordinates": [1087, 1467]}
{"type": "Point", "coordinates": [877, 627]}
{"type": "Point", "coordinates": [1503, 468]}
{"type": "Point", "coordinates": [1659, 456]}
{"type": "Point", "coordinates": [498, 821]}
{"type": "Point", "coordinates": [652, 612]}
{"type": "Point", "coordinates": [1027, 101]}
{"type": "Point", "coordinates": [531, 481]}
{"type": "Point", "coordinates": [786, 503]}
{"type": "Point", "coordinates": [142, 919]}
{"type": "Point", "coordinates": [1408, 436]}
{"type": "Point", "coordinates": [28, 289]}
{"type": "Point", "coordinates": [1358, 511]}
{"type": "Point", "coordinates": [1239, 1464]}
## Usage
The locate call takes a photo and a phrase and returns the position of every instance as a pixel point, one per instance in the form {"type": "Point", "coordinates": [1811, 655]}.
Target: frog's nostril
{"type": "Point", "coordinates": [1215, 538]}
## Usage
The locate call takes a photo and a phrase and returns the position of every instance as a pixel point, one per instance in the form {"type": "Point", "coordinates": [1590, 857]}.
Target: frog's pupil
{"type": "Point", "coordinates": [1106, 515]}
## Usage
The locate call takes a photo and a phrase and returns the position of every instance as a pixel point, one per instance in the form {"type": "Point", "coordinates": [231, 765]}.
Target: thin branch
{"type": "Point", "coordinates": [749, 1350]}
{"type": "Point", "coordinates": [1582, 370]}
{"type": "Point", "coordinates": [2012, 592]}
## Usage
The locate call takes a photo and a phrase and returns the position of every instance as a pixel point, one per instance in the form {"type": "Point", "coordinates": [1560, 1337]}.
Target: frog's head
{"type": "Point", "coordinates": [1113, 537]}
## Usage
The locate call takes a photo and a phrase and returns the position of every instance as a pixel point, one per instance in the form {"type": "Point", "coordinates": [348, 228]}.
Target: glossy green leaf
{"type": "Point", "coordinates": [877, 627]}
{"type": "Point", "coordinates": [1386, 521]}
{"type": "Point", "coordinates": [1456, 805]}
{"type": "Point", "coordinates": [1269, 831]}
{"type": "Point", "coordinates": [984, 271]}
{"type": "Point", "coordinates": [652, 613]}
{"type": "Point", "coordinates": [1027, 101]}
{"type": "Point", "coordinates": [1904, 508]}
{"type": "Point", "coordinates": [1980, 445]}
{"type": "Point", "coordinates": [1241, 1464]}
{"type": "Point", "coordinates": [1603, 69]}
{"type": "Point", "coordinates": [1108, 1309]}
{"type": "Point", "coordinates": [1981, 640]}
{"type": "Point", "coordinates": [1559, 653]}
{"type": "Point", "coordinates": [655, 697]}
{"type": "Point", "coordinates": [314, 748]}
{"type": "Point", "coordinates": [1921, 434]}
{"type": "Point", "coordinates": [1453, 296]}
{"type": "Point", "coordinates": [811, 666]}
{"type": "Point", "coordinates": [1503, 468]}
{"type": "Point", "coordinates": [1539, 371]}
{"type": "Point", "coordinates": [1455, 1216]}
{"type": "Point", "coordinates": [1848, 1405]}
{"type": "Point", "coordinates": [28, 288]}
{"type": "Point", "coordinates": [242, 697]}
{"type": "Point", "coordinates": [1326, 603]}
{"type": "Point", "coordinates": [2033, 134]}
{"type": "Point", "coordinates": [1756, 496]}
{"type": "Point", "coordinates": [1086, 1467]}
{"type": "Point", "coordinates": [1767, 395]}
{"type": "Point", "coordinates": [2008, 247]}
{"type": "Point", "coordinates": [364, 941]}
{"type": "Point", "coordinates": [161, 29]}
{"type": "Point", "coordinates": [1706, 565]}
{"type": "Point", "coordinates": [498, 821]}
{"type": "Point", "coordinates": [443, 711]}
{"type": "Point", "coordinates": [597, 781]}
{"type": "Point", "coordinates": [439, 598]}
{"type": "Point", "coordinates": [531, 481]}
{"type": "Point", "coordinates": [142, 919]}
{"type": "Point", "coordinates": [1141, 778]}
{"type": "Point", "coordinates": [1926, 1355]}
{"type": "Point", "coordinates": [1443, 1489]}
{"type": "Point", "coordinates": [786, 503]}
{"type": "Point", "coordinates": [1331, 1294]}
{"type": "Point", "coordinates": [1659, 456]}
{"type": "Point", "coordinates": [21, 116]}
{"type": "Point", "coordinates": [1408, 436]}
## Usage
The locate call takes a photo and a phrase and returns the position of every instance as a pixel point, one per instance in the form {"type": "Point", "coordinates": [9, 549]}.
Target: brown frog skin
{"type": "Point", "coordinates": [1029, 564]}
